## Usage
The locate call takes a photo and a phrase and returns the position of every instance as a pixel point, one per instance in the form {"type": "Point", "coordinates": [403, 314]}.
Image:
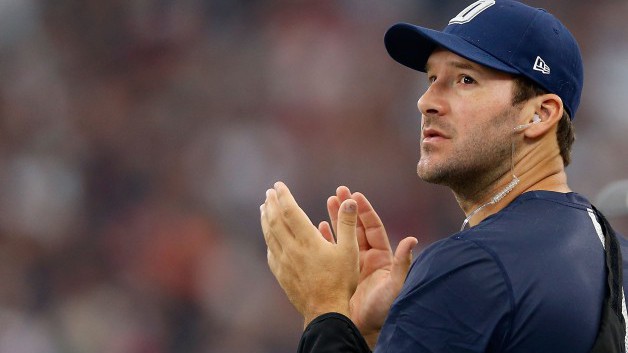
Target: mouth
{"type": "Point", "coordinates": [433, 135]}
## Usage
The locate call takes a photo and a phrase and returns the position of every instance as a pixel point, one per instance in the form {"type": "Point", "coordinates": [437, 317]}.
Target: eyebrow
{"type": "Point", "coordinates": [457, 64]}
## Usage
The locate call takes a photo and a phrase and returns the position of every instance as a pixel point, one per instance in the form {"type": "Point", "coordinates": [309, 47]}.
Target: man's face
{"type": "Point", "coordinates": [467, 124]}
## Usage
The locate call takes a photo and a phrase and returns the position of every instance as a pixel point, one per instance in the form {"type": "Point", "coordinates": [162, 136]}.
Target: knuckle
{"type": "Point", "coordinates": [288, 211]}
{"type": "Point", "coordinates": [351, 222]}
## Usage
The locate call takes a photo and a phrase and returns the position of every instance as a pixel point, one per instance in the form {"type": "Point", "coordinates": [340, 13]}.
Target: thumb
{"type": "Point", "coordinates": [402, 259]}
{"type": "Point", "coordinates": [347, 220]}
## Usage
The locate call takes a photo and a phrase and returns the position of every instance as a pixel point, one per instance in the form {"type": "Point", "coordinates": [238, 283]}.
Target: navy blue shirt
{"type": "Point", "coordinates": [623, 243]}
{"type": "Point", "coordinates": [530, 278]}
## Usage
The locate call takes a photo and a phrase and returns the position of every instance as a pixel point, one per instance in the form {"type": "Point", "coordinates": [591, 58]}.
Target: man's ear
{"type": "Point", "coordinates": [549, 108]}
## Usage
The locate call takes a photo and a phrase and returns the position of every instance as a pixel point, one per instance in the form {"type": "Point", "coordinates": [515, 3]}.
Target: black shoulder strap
{"type": "Point", "coordinates": [612, 332]}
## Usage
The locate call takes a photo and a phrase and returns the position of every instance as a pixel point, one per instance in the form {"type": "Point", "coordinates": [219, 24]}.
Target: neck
{"type": "Point", "coordinates": [540, 168]}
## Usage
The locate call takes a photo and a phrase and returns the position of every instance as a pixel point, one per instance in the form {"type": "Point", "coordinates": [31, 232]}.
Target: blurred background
{"type": "Point", "coordinates": [137, 139]}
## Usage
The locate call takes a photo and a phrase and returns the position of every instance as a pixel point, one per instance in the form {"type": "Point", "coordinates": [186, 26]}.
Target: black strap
{"type": "Point", "coordinates": [612, 332]}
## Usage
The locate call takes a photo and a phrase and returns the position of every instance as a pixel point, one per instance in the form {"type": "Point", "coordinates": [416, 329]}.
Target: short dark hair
{"type": "Point", "coordinates": [525, 89]}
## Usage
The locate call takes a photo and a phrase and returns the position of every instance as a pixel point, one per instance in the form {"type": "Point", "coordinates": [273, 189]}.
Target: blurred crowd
{"type": "Point", "coordinates": [137, 139]}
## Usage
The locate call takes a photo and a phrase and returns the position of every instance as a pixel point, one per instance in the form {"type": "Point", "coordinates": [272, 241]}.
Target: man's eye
{"type": "Point", "coordinates": [467, 80]}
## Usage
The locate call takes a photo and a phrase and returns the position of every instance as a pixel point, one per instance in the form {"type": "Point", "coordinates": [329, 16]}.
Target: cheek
{"type": "Point", "coordinates": [474, 135]}
{"type": "Point", "coordinates": [468, 111]}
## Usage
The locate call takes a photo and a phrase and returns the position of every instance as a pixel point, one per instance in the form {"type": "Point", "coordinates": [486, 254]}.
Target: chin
{"type": "Point", "coordinates": [428, 175]}
{"type": "Point", "coordinates": [438, 174]}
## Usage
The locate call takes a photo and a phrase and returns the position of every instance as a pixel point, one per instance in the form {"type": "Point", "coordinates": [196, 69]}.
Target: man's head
{"type": "Point", "coordinates": [497, 64]}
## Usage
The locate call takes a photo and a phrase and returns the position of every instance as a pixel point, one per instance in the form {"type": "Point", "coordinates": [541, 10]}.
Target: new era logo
{"type": "Point", "coordinates": [540, 65]}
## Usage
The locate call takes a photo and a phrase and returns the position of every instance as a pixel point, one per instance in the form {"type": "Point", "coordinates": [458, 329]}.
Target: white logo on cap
{"type": "Point", "coordinates": [471, 11]}
{"type": "Point", "coordinates": [540, 65]}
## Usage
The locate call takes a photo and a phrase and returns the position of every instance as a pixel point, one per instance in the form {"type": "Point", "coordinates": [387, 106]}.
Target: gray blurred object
{"type": "Point", "coordinates": [612, 200]}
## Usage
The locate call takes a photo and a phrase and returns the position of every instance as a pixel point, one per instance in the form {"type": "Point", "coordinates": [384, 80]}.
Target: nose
{"type": "Point", "coordinates": [432, 102]}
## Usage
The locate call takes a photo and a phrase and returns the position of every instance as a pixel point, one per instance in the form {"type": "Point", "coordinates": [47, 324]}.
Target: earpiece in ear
{"type": "Point", "coordinates": [535, 120]}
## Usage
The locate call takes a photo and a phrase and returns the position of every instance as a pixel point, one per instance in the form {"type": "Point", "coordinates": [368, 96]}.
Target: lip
{"type": "Point", "coordinates": [433, 135]}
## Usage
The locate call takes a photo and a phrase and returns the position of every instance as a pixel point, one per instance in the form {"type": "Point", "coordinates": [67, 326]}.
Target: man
{"type": "Point", "coordinates": [527, 271]}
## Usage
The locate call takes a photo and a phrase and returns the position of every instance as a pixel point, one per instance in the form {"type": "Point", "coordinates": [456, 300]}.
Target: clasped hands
{"type": "Point", "coordinates": [354, 273]}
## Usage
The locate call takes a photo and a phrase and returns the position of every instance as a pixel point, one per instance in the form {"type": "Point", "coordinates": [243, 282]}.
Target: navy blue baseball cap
{"type": "Point", "coordinates": [504, 35]}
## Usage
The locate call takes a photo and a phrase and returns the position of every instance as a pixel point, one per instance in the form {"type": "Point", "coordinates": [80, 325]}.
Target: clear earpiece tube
{"type": "Point", "coordinates": [502, 193]}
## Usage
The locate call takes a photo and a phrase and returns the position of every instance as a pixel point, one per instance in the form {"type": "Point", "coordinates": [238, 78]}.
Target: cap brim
{"type": "Point", "coordinates": [412, 45]}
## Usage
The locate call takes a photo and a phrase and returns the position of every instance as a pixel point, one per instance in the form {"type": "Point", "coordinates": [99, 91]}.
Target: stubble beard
{"type": "Point", "coordinates": [473, 167]}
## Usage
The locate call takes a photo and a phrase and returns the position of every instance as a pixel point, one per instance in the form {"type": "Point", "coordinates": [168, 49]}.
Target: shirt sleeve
{"type": "Point", "coordinates": [455, 299]}
{"type": "Point", "coordinates": [332, 333]}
